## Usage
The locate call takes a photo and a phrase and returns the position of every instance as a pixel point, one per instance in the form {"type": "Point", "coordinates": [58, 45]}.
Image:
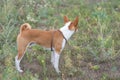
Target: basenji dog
{"type": "Point", "coordinates": [55, 40]}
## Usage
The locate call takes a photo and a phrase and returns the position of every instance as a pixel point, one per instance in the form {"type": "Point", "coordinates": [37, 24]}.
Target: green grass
{"type": "Point", "coordinates": [97, 41]}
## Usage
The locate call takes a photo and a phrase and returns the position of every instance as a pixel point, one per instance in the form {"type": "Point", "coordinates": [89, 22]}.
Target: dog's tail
{"type": "Point", "coordinates": [24, 27]}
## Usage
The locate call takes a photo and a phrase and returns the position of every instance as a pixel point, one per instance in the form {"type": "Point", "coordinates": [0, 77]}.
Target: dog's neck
{"type": "Point", "coordinates": [65, 30]}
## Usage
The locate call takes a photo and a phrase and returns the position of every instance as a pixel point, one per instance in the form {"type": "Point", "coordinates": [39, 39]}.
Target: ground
{"type": "Point", "coordinates": [93, 52]}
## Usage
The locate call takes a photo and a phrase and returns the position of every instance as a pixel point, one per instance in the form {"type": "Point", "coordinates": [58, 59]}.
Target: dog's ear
{"type": "Point", "coordinates": [66, 19]}
{"type": "Point", "coordinates": [75, 22]}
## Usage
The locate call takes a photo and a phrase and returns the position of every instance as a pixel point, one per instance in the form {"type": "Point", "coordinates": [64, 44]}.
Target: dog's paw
{"type": "Point", "coordinates": [58, 71]}
{"type": "Point", "coordinates": [20, 70]}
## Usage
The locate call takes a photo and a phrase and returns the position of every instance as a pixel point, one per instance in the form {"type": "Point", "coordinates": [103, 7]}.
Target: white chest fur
{"type": "Point", "coordinates": [66, 32]}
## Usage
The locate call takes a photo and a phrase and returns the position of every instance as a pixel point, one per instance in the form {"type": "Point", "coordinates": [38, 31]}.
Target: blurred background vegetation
{"type": "Point", "coordinates": [94, 51]}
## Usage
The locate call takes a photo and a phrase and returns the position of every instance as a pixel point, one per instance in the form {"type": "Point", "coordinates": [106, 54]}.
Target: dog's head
{"type": "Point", "coordinates": [73, 26]}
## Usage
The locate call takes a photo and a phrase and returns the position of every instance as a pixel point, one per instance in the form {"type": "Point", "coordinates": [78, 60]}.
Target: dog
{"type": "Point", "coordinates": [54, 40]}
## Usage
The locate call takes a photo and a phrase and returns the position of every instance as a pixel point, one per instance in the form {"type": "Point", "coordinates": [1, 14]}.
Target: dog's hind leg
{"type": "Point", "coordinates": [21, 51]}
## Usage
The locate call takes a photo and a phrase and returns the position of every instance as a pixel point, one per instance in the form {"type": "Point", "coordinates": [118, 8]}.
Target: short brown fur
{"type": "Point", "coordinates": [40, 37]}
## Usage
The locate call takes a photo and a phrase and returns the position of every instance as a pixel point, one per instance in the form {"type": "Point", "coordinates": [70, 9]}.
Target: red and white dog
{"type": "Point", "coordinates": [52, 39]}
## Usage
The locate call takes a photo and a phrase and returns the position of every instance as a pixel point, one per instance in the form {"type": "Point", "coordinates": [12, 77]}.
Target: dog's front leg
{"type": "Point", "coordinates": [52, 57]}
{"type": "Point", "coordinates": [56, 62]}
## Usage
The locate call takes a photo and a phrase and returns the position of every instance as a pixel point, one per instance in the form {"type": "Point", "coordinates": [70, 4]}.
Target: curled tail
{"type": "Point", "coordinates": [24, 27]}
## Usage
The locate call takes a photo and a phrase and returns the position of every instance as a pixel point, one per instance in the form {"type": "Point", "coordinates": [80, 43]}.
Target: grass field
{"type": "Point", "coordinates": [93, 53]}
